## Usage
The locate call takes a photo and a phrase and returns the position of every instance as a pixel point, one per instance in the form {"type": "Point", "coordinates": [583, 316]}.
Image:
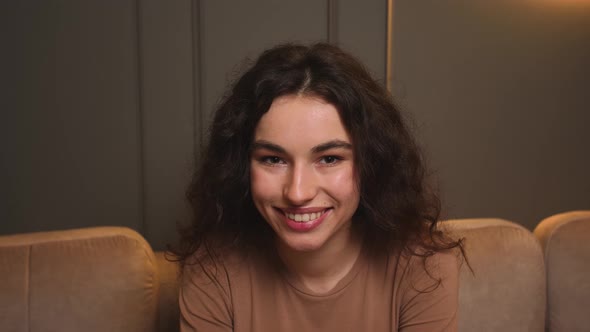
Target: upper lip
{"type": "Point", "coordinates": [303, 210]}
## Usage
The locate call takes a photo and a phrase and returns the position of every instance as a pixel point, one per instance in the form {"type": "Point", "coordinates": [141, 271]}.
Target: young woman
{"type": "Point", "coordinates": [311, 209]}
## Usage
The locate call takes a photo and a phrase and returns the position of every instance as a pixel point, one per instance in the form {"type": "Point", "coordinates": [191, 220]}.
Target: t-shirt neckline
{"type": "Point", "coordinates": [294, 283]}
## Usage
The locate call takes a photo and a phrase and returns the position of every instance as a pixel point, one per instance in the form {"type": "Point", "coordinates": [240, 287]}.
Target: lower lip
{"type": "Point", "coordinates": [305, 226]}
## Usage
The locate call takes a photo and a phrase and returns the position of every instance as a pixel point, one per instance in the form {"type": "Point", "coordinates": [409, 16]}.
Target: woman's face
{"type": "Point", "coordinates": [302, 173]}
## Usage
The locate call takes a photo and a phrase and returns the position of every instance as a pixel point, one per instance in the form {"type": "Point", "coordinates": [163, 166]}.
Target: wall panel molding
{"type": "Point", "coordinates": [362, 30]}
{"type": "Point", "coordinates": [198, 114]}
{"type": "Point", "coordinates": [168, 96]}
{"type": "Point", "coordinates": [389, 46]}
{"type": "Point", "coordinates": [141, 125]}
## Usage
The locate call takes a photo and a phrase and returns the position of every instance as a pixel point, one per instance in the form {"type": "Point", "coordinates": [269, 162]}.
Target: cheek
{"type": "Point", "coordinates": [261, 185]}
{"type": "Point", "coordinates": [344, 185]}
{"type": "Point", "coordinates": [344, 179]}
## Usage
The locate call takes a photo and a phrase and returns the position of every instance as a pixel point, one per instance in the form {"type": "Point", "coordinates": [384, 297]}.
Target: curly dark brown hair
{"type": "Point", "coordinates": [397, 209]}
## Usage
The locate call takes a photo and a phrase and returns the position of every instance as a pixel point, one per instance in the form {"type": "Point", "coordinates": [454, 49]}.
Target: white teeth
{"type": "Point", "coordinates": [304, 217]}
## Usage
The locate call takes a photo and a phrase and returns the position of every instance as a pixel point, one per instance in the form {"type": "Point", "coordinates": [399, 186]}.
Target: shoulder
{"type": "Point", "coordinates": [224, 268]}
{"type": "Point", "coordinates": [208, 286]}
{"type": "Point", "coordinates": [206, 275]}
{"type": "Point", "coordinates": [430, 291]}
{"type": "Point", "coordinates": [429, 270]}
{"type": "Point", "coordinates": [205, 267]}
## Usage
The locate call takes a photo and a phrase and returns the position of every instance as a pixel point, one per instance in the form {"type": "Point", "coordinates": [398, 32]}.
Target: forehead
{"type": "Point", "coordinates": [300, 120]}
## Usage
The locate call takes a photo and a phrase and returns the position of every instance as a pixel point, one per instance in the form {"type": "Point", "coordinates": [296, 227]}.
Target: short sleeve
{"type": "Point", "coordinates": [205, 301]}
{"type": "Point", "coordinates": [428, 305]}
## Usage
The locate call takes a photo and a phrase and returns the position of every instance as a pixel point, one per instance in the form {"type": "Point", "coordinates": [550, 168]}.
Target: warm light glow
{"type": "Point", "coordinates": [563, 7]}
{"type": "Point", "coordinates": [584, 3]}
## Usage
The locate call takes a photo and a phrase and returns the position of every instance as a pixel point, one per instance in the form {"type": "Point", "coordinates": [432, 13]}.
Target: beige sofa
{"type": "Point", "coordinates": [109, 279]}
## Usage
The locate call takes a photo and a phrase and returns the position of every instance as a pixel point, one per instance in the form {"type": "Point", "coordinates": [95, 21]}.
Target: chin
{"type": "Point", "coordinates": [302, 245]}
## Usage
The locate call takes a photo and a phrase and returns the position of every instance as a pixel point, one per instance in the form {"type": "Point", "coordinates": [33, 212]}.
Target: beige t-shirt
{"type": "Point", "coordinates": [380, 293]}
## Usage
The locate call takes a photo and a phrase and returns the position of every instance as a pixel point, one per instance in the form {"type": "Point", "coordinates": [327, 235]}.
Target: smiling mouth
{"type": "Point", "coordinates": [304, 217]}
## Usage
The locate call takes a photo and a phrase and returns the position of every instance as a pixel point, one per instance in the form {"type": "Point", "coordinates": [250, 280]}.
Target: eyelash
{"type": "Point", "coordinates": [335, 160]}
{"type": "Point", "coordinates": [267, 160]}
{"type": "Point", "coordinates": [328, 160]}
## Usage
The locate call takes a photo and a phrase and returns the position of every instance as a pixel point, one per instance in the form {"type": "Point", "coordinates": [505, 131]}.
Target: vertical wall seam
{"type": "Point", "coordinates": [389, 48]}
{"type": "Point", "coordinates": [199, 126]}
{"type": "Point", "coordinates": [193, 79]}
{"type": "Point", "coordinates": [332, 21]}
{"type": "Point", "coordinates": [28, 287]}
{"type": "Point", "coordinates": [140, 124]}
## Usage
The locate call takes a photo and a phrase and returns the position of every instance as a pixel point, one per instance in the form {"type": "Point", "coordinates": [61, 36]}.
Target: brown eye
{"type": "Point", "coordinates": [330, 159]}
{"type": "Point", "coordinates": [272, 160]}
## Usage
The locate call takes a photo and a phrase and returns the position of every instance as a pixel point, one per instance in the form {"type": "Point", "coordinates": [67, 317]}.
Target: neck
{"type": "Point", "coordinates": [320, 270]}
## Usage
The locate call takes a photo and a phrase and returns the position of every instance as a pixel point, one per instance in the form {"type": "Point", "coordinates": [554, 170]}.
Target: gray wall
{"type": "Point", "coordinates": [500, 92]}
{"type": "Point", "coordinates": [104, 103]}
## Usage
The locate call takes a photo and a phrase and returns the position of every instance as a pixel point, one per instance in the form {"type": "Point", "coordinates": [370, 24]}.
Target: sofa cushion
{"type": "Point", "coordinates": [95, 279]}
{"type": "Point", "coordinates": [506, 291]}
{"type": "Point", "coordinates": [565, 239]}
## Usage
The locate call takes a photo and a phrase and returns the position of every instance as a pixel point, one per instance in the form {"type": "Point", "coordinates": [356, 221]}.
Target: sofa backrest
{"type": "Point", "coordinates": [94, 279]}
{"type": "Point", "coordinates": [108, 279]}
{"type": "Point", "coordinates": [565, 239]}
{"type": "Point", "coordinates": [506, 290]}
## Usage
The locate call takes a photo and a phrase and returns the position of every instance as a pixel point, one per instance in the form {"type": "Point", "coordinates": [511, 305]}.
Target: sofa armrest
{"type": "Point", "coordinates": [93, 279]}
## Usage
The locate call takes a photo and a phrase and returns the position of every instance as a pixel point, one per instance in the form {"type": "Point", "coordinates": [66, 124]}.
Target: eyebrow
{"type": "Point", "coordinates": [262, 144]}
{"type": "Point", "coordinates": [333, 144]}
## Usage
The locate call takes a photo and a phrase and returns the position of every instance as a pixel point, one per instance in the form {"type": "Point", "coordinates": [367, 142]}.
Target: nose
{"type": "Point", "coordinates": [301, 185]}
